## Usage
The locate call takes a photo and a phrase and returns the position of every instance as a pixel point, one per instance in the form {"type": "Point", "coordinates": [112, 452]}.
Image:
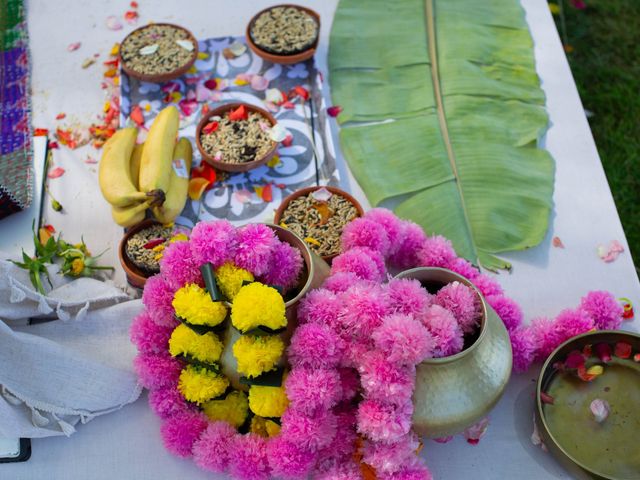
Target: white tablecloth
{"type": "Point", "coordinates": [127, 445]}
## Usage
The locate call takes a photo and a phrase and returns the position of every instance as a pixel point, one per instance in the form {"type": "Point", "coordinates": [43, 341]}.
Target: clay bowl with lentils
{"type": "Point", "coordinates": [233, 145]}
{"type": "Point", "coordinates": [284, 33]}
{"type": "Point", "coordinates": [158, 52]}
{"type": "Point", "coordinates": [318, 215]}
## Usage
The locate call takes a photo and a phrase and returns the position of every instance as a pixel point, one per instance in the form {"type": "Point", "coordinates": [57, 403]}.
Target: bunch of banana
{"type": "Point", "coordinates": [134, 178]}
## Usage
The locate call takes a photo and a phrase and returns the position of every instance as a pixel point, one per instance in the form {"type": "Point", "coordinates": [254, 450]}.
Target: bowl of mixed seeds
{"type": "Point", "coordinates": [318, 215]}
{"type": "Point", "coordinates": [141, 249]}
{"type": "Point", "coordinates": [284, 33]}
{"type": "Point", "coordinates": [236, 137]}
{"type": "Point", "coordinates": [158, 52]}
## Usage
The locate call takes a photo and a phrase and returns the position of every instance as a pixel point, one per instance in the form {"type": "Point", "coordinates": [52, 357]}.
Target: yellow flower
{"type": "Point", "coordinates": [233, 408]}
{"type": "Point", "coordinates": [194, 304]}
{"type": "Point", "coordinates": [264, 427]}
{"type": "Point", "coordinates": [268, 401]}
{"type": "Point", "coordinates": [230, 278]}
{"type": "Point", "coordinates": [206, 348]}
{"type": "Point", "coordinates": [199, 385]}
{"type": "Point", "coordinates": [257, 354]}
{"type": "Point", "coordinates": [258, 305]}
{"type": "Point", "coordinates": [77, 266]}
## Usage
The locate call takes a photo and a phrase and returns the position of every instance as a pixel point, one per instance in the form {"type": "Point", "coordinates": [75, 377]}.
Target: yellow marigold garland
{"type": "Point", "coordinates": [258, 305]}
{"type": "Point", "coordinates": [230, 278]}
{"type": "Point", "coordinates": [199, 385]}
{"type": "Point", "coordinates": [268, 401]}
{"type": "Point", "coordinates": [257, 354]}
{"type": "Point", "coordinates": [233, 408]}
{"type": "Point", "coordinates": [194, 305]}
{"type": "Point", "coordinates": [264, 427]}
{"type": "Point", "coordinates": [206, 348]}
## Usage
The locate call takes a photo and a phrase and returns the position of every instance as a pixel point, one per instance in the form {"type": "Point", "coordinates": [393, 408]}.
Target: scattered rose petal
{"type": "Point", "coordinates": [443, 439]}
{"type": "Point", "coordinates": [90, 160]}
{"type": "Point", "coordinates": [301, 92]}
{"type": "Point", "coordinates": [113, 23]}
{"type": "Point", "coordinates": [288, 105]}
{"type": "Point", "coordinates": [288, 140]}
{"type": "Point", "coordinates": [278, 132]}
{"type": "Point", "coordinates": [274, 96]}
{"type": "Point", "coordinates": [131, 16]}
{"type": "Point", "coordinates": [265, 192]}
{"type": "Point", "coordinates": [273, 161]}
{"type": "Point", "coordinates": [87, 62]}
{"type": "Point", "coordinates": [474, 433]}
{"type": "Point", "coordinates": [56, 172]}
{"type": "Point", "coordinates": [600, 409]}
{"type": "Point", "coordinates": [264, 126]}
{"type": "Point", "coordinates": [187, 107]}
{"type": "Point", "coordinates": [197, 186]}
{"type": "Point", "coordinates": [536, 439]}
{"type": "Point", "coordinates": [575, 359]}
{"type": "Point", "coordinates": [603, 351]}
{"type": "Point", "coordinates": [211, 84]}
{"type": "Point", "coordinates": [622, 350]}
{"type": "Point", "coordinates": [636, 358]}
{"type": "Point", "coordinates": [210, 127]}
{"type": "Point", "coordinates": [239, 113]}
{"type": "Point", "coordinates": [202, 93]}
{"type": "Point", "coordinates": [137, 116]}
{"type": "Point", "coordinates": [186, 44]}
{"type": "Point", "coordinates": [154, 243]}
{"type": "Point", "coordinates": [40, 132]}
{"type": "Point", "coordinates": [259, 83]}
{"type": "Point", "coordinates": [321, 195]}
{"type": "Point", "coordinates": [149, 49]}
{"type": "Point", "coordinates": [170, 87]}
{"type": "Point", "coordinates": [49, 228]}
{"type": "Point", "coordinates": [584, 375]}
{"type": "Point", "coordinates": [281, 186]}
{"type": "Point", "coordinates": [72, 47]}
{"type": "Point", "coordinates": [205, 171]}
{"type": "Point", "coordinates": [242, 196]}
{"type": "Point", "coordinates": [191, 95]}
{"type": "Point", "coordinates": [218, 156]}
{"type": "Point", "coordinates": [237, 48]}
{"type": "Point", "coordinates": [587, 350]}
{"type": "Point", "coordinates": [53, 145]}
{"type": "Point", "coordinates": [134, 4]}
{"type": "Point", "coordinates": [546, 398]}
{"type": "Point", "coordinates": [610, 253]}
{"type": "Point", "coordinates": [557, 242]}
{"type": "Point", "coordinates": [334, 111]}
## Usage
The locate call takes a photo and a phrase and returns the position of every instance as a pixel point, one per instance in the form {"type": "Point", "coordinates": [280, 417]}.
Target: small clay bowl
{"type": "Point", "coordinates": [234, 167]}
{"type": "Point", "coordinates": [306, 191]}
{"type": "Point", "coordinates": [161, 77]}
{"type": "Point", "coordinates": [135, 275]}
{"type": "Point", "coordinates": [283, 58]}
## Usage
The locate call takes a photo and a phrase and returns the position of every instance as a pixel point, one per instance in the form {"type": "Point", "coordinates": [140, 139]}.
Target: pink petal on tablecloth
{"type": "Point", "coordinates": [259, 83]}
{"type": "Point", "coordinates": [610, 253]}
{"type": "Point", "coordinates": [474, 433]}
{"type": "Point", "coordinates": [113, 23]}
{"type": "Point", "coordinates": [73, 46]}
{"type": "Point", "coordinates": [56, 172]}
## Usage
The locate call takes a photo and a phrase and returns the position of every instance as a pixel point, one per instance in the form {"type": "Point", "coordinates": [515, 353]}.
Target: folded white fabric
{"type": "Point", "coordinates": [56, 374]}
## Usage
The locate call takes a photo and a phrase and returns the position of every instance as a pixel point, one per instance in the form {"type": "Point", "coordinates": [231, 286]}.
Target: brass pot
{"type": "Point", "coordinates": [452, 393]}
{"type": "Point", "coordinates": [314, 272]}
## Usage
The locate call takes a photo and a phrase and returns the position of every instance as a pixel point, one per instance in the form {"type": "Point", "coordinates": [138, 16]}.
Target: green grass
{"type": "Point", "coordinates": [606, 66]}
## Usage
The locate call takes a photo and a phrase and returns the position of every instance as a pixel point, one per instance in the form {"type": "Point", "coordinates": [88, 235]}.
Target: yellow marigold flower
{"type": "Point", "coordinates": [264, 427]}
{"type": "Point", "coordinates": [258, 305]}
{"type": "Point", "coordinates": [206, 348]}
{"type": "Point", "coordinates": [77, 266]}
{"type": "Point", "coordinates": [199, 385]}
{"type": "Point", "coordinates": [233, 408]}
{"type": "Point", "coordinates": [230, 278]}
{"type": "Point", "coordinates": [268, 401]}
{"type": "Point", "coordinates": [194, 304]}
{"type": "Point", "coordinates": [257, 354]}
{"type": "Point", "coordinates": [273, 429]}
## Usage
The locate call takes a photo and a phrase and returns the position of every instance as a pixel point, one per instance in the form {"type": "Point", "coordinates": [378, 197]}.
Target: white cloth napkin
{"type": "Point", "coordinates": [56, 374]}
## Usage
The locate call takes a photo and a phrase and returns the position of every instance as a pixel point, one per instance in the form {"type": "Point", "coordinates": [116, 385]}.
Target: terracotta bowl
{"type": "Point", "coordinates": [305, 191]}
{"type": "Point", "coordinates": [162, 77]}
{"type": "Point", "coordinates": [284, 59]}
{"type": "Point", "coordinates": [135, 276]}
{"type": "Point", "coordinates": [234, 167]}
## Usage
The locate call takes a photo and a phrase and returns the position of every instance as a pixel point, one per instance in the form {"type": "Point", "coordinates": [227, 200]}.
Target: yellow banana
{"type": "Point", "coordinates": [179, 184]}
{"type": "Point", "coordinates": [114, 174]}
{"type": "Point", "coordinates": [128, 216]}
{"type": "Point", "coordinates": [157, 153]}
{"type": "Point", "coordinates": [136, 156]}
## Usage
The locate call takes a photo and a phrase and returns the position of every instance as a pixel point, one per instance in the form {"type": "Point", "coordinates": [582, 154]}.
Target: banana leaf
{"type": "Point", "coordinates": [442, 113]}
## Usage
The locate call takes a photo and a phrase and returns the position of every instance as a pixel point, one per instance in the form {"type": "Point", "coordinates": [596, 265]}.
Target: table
{"type": "Point", "coordinates": [545, 279]}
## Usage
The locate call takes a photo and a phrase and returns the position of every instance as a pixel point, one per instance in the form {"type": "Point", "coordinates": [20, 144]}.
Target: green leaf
{"type": "Point", "coordinates": [442, 113]}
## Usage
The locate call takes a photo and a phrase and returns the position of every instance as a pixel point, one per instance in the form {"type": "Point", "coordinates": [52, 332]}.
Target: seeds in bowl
{"type": "Point", "coordinates": [239, 136]}
{"type": "Point", "coordinates": [319, 218]}
{"type": "Point", "coordinates": [157, 50]}
{"type": "Point", "coordinates": [284, 30]}
{"type": "Point", "coordinates": [144, 248]}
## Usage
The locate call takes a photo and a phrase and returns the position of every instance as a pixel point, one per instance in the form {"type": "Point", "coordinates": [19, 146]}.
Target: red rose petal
{"type": "Point", "coordinates": [56, 172]}
{"type": "Point", "coordinates": [211, 84]}
{"type": "Point", "coordinates": [267, 193]}
{"type": "Point", "coordinates": [60, 116]}
{"type": "Point", "coordinates": [288, 105]}
{"type": "Point", "coordinates": [575, 359]}
{"type": "Point", "coordinates": [137, 116]}
{"type": "Point", "coordinates": [622, 350]}
{"type": "Point", "coordinates": [603, 351]}
{"type": "Point", "coordinates": [53, 145]}
{"type": "Point", "coordinates": [40, 132]}
{"type": "Point", "coordinates": [239, 113]}
{"type": "Point", "coordinates": [153, 243]}
{"type": "Point", "coordinates": [205, 171]}
{"type": "Point", "coordinates": [334, 111]}
{"type": "Point", "coordinates": [288, 140]}
{"type": "Point", "coordinates": [546, 398]}
{"type": "Point", "coordinates": [134, 4]}
{"type": "Point", "coordinates": [301, 92]}
{"type": "Point", "coordinates": [210, 127]}
{"type": "Point", "coordinates": [49, 228]}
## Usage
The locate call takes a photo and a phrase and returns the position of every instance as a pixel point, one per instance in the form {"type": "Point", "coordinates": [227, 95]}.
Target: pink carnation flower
{"type": "Point", "coordinates": [363, 310]}
{"type": "Point", "coordinates": [384, 422]}
{"type": "Point", "coordinates": [341, 282]}
{"type": "Point", "coordinates": [148, 336]}
{"type": "Point", "coordinates": [390, 457]}
{"type": "Point", "coordinates": [180, 432]}
{"type": "Point", "coordinates": [463, 302]}
{"type": "Point", "coordinates": [508, 310]}
{"type": "Point", "coordinates": [249, 460]}
{"type": "Point", "coordinates": [211, 451]}
{"type": "Point", "coordinates": [407, 296]}
{"type": "Point", "coordinates": [365, 233]}
{"type": "Point", "coordinates": [487, 285]}
{"type": "Point", "coordinates": [414, 470]}
{"type": "Point", "coordinates": [411, 241]}
{"type": "Point", "coordinates": [523, 346]}
{"type": "Point", "coordinates": [391, 224]}
{"type": "Point", "coordinates": [359, 347]}
{"type": "Point", "coordinates": [546, 336]}
{"type": "Point", "coordinates": [157, 371]}
{"type": "Point", "coordinates": [604, 310]}
{"type": "Point", "coordinates": [384, 380]}
{"type": "Point", "coordinates": [311, 388]}
{"type": "Point", "coordinates": [178, 267]}
{"type": "Point", "coordinates": [284, 267]}
{"type": "Point", "coordinates": [464, 268]}
{"type": "Point", "coordinates": [572, 322]}
{"type": "Point", "coordinates": [167, 402]}
{"type": "Point", "coordinates": [350, 383]}
{"type": "Point", "coordinates": [311, 432]}
{"type": "Point", "coordinates": [446, 333]}
{"type": "Point", "coordinates": [341, 471]}
{"type": "Point", "coordinates": [255, 245]}
{"type": "Point", "coordinates": [364, 262]}
{"type": "Point", "coordinates": [288, 460]}
{"type": "Point", "coordinates": [403, 340]}
{"type": "Point", "coordinates": [436, 251]}
{"type": "Point", "coordinates": [315, 345]}
{"type": "Point", "coordinates": [157, 297]}
{"type": "Point", "coordinates": [321, 307]}
{"type": "Point", "coordinates": [213, 242]}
